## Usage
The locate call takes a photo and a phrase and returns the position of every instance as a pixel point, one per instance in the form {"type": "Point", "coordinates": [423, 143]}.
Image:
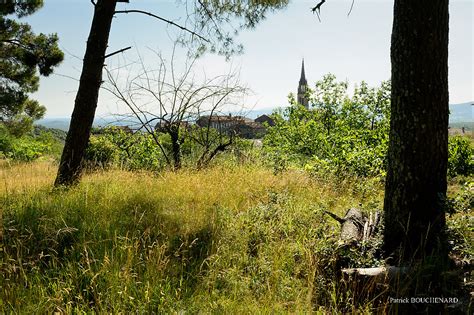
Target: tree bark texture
{"type": "Point", "coordinates": [176, 146]}
{"type": "Point", "coordinates": [87, 96]}
{"type": "Point", "coordinates": [415, 189]}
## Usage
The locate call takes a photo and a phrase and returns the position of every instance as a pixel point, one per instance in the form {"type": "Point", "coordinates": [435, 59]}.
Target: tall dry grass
{"type": "Point", "coordinates": [223, 240]}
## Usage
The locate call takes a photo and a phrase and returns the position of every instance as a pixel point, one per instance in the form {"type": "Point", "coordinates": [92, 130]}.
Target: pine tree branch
{"type": "Point", "coordinates": [317, 8]}
{"type": "Point", "coordinates": [117, 52]}
{"type": "Point", "coordinates": [352, 6]}
{"type": "Point", "coordinates": [164, 20]}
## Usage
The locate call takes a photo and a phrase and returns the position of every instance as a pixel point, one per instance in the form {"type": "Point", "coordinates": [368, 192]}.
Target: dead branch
{"type": "Point", "coordinates": [115, 90]}
{"type": "Point", "coordinates": [317, 9]}
{"type": "Point", "coordinates": [170, 102]}
{"type": "Point", "coordinates": [352, 6]}
{"type": "Point", "coordinates": [335, 217]}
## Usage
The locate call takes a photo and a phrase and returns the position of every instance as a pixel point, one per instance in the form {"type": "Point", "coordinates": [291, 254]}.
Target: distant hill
{"type": "Point", "coordinates": [59, 134]}
{"type": "Point", "coordinates": [56, 123]}
{"type": "Point", "coordinates": [254, 113]}
{"type": "Point", "coordinates": [461, 115]}
{"type": "Point", "coordinates": [62, 123]}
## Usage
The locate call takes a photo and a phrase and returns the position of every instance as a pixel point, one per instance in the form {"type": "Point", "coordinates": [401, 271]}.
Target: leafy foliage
{"type": "Point", "coordinates": [101, 152]}
{"type": "Point", "coordinates": [345, 135]}
{"type": "Point", "coordinates": [58, 134]}
{"type": "Point", "coordinates": [114, 146]}
{"type": "Point", "coordinates": [461, 156]}
{"type": "Point", "coordinates": [338, 133]}
{"type": "Point", "coordinates": [29, 147]}
{"type": "Point", "coordinates": [135, 151]}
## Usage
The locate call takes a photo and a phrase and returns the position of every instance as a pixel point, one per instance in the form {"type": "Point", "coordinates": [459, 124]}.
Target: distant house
{"type": "Point", "coordinates": [250, 130]}
{"type": "Point", "coordinates": [265, 119]}
{"type": "Point", "coordinates": [240, 125]}
{"type": "Point", "coordinates": [222, 123]}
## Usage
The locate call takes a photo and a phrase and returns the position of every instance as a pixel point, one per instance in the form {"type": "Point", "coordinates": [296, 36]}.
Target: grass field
{"type": "Point", "coordinates": [239, 240]}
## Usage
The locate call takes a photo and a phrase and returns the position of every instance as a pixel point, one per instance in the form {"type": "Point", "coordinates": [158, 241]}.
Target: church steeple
{"type": "Point", "coordinates": [303, 77]}
{"type": "Point", "coordinates": [302, 88]}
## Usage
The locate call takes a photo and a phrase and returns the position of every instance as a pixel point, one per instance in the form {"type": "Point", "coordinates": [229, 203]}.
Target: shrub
{"type": "Point", "coordinates": [100, 152]}
{"type": "Point", "coordinates": [28, 149]}
{"type": "Point", "coordinates": [338, 134]}
{"type": "Point", "coordinates": [139, 150]}
{"type": "Point", "coordinates": [6, 141]}
{"type": "Point", "coordinates": [461, 153]}
{"type": "Point", "coordinates": [38, 143]}
{"type": "Point", "coordinates": [131, 151]}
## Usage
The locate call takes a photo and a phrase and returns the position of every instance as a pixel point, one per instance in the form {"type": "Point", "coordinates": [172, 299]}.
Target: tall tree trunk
{"type": "Point", "coordinates": [176, 147]}
{"type": "Point", "coordinates": [415, 187]}
{"type": "Point", "coordinates": [86, 99]}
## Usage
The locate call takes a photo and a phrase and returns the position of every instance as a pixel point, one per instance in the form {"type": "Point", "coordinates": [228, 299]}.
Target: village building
{"type": "Point", "coordinates": [250, 130]}
{"type": "Point", "coordinates": [265, 119]}
{"type": "Point", "coordinates": [239, 125]}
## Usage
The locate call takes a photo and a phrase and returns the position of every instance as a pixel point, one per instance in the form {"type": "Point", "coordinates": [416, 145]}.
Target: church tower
{"type": "Point", "coordinates": [302, 88]}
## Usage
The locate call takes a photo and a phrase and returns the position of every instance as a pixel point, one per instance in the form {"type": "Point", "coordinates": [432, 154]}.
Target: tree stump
{"type": "Point", "coordinates": [356, 225]}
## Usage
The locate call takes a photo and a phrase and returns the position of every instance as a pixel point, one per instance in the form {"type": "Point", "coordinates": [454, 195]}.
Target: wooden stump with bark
{"type": "Point", "coordinates": [356, 225]}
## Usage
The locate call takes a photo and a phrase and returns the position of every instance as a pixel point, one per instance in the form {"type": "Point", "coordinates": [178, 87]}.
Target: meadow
{"type": "Point", "coordinates": [238, 239]}
{"type": "Point", "coordinates": [181, 205]}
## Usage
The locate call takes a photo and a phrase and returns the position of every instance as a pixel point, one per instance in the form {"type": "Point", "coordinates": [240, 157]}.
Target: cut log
{"type": "Point", "coordinates": [356, 225]}
{"type": "Point", "coordinates": [390, 271]}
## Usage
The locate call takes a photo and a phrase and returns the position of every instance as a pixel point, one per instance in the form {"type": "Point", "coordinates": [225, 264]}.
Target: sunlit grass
{"type": "Point", "coordinates": [18, 177]}
{"type": "Point", "coordinates": [240, 240]}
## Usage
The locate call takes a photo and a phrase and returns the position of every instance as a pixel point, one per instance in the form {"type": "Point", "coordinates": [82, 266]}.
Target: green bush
{"type": "Point", "coordinates": [345, 135]}
{"type": "Point", "coordinates": [40, 142]}
{"type": "Point", "coordinates": [337, 134]}
{"type": "Point", "coordinates": [135, 151]}
{"type": "Point", "coordinates": [28, 149]}
{"type": "Point", "coordinates": [100, 152]}
{"type": "Point", "coordinates": [461, 154]}
{"type": "Point", "coordinates": [131, 151]}
{"type": "Point", "coordinates": [140, 151]}
{"type": "Point", "coordinates": [6, 141]}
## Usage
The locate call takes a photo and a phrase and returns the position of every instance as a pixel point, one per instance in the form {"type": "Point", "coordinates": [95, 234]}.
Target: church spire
{"type": "Point", "coordinates": [302, 88]}
{"type": "Point", "coordinates": [302, 77]}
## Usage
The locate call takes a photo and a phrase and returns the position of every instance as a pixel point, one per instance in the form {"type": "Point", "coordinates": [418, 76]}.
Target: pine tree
{"type": "Point", "coordinates": [22, 55]}
{"type": "Point", "coordinates": [415, 190]}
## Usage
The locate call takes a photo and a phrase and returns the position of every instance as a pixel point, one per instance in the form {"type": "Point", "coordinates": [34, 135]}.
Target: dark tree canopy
{"type": "Point", "coordinates": [22, 55]}
{"type": "Point", "coordinates": [20, 8]}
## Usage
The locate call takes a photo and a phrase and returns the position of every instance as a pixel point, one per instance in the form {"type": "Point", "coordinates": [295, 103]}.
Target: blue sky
{"type": "Point", "coordinates": [354, 48]}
